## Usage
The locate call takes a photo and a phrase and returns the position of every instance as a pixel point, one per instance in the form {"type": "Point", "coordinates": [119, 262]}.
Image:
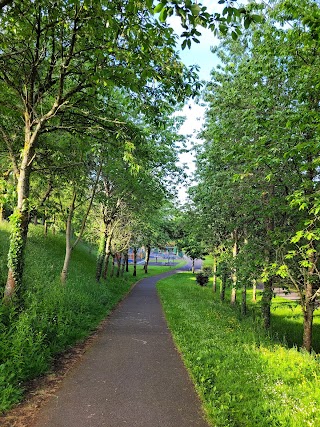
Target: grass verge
{"type": "Point", "coordinates": [243, 377]}
{"type": "Point", "coordinates": [53, 318]}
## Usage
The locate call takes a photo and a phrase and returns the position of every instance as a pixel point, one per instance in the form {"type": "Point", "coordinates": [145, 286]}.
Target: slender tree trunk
{"type": "Point", "coordinates": [35, 218]}
{"type": "Point", "coordinates": [193, 269]}
{"type": "Point", "coordinates": [234, 271]}
{"type": "Point", "coordinates": [214, 271]}
{"type": "Point", "coordinates": [267, 295]}
{"type": "Point", "coordinates": [268, 285]}
{"type": "Point", "coordinates": [113, 265]}
{"type": "Point", "coordinates": [309, 304]}
{"type": "Point", "coordinates": [119, 258]}
{"type": "Point", "coordinates": [244, 298]}
{"type": "Point", "coordinates": [308, 312]}
{"type": "Point", "coordinates": [254, 291]}
{"type": "Point", "coordinates": [233, 298]}
{"type": "Point", "coordinates": [101, 255]}
{"type": "Point", "coordinates": [69, 247]}
{"type": "Point", "coordinates": [45, 228]}
{"type": "Point", "coordinates": [135, 250]}
{"type": "Point", "coordinates": [108, 253]}
{"type": "Point", "coordinates": [54, 226]}
{"type": "Point", "coordinates": [147, 257]}
{"type": "Point", "coordinates": [1, 212]}
{"type": "Point", "coordinates": [106, 265]}
{"type": "Point", "coordinates": [124, 262]}
{"type": "Point", "coordinates": [127, 261]}
{"type": "Point", "coordinates": [223, 282]}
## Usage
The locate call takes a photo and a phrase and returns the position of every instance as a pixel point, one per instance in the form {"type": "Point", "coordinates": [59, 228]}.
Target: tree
{"type": "Point", "coordinates": [66, 58]}
{"type": "Point", "coordinates": [259, 158]}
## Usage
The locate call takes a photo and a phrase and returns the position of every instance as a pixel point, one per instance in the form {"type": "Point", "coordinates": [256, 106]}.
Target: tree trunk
{"type": "Point", "coordinates": [308, 318]}
{"type": "Point", "coordinates": [123, 264]}
{"type": "Point", "coordinates": [45, 228]}
{"type": "Point", "coordinates": [35, 217]}
{"type": "Point", "coordinates": [19, 231]}
{"type": "Point", "coordinates": [135, 250]}
{"type": "Point", "coordinates": [193, 269]}
{"type": "Point", "coordinates": [309, 304]}
{"type": "Point", "coordinates": [1, 212]}
{"type": "Point", "coordinates": [233, 298]}
{"type": "Point", "coordinates": [254, 291]}
{"type": "Point", "coordinates": [107, 255]}
{"type": "Point", "coordinates": [147, 257]}
{"type": "Point", "coordinates": [69, 247]}
{"type": "Point", "coordinates": [127, 261]}
{"type": "Point", "coordinates": [106, 265]}
{"type": "Point", "coordinates": [223, 282]}
{"type": "Point", "coordinates": [101, 256]}
{"type": "Point", "coordinates": [244, 298]}
{"type": "Point", "coordinates": [234, 271]}
{"type": "Point", "coordinates": [119, 258]}
{"type": "Point", "coordinates": [113, 265]}
{"type": "Point", "coordinates": [214, 271]}
{"type": "Point", "coordinates": [267, 295]}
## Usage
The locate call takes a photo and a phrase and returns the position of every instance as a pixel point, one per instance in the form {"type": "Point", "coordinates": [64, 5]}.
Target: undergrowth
{"type": "Point", "coordinates": [51, 317]}
{"type": "Point", "coordinates": [244, 377]}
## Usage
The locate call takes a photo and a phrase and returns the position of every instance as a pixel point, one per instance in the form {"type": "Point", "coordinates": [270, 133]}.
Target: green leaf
{"type": "Point", "coordinates": [159, 8]}
{"type": "Point", "coordinates": [247, 22]}
{"type": "Point", "coordinates": [195, 9]}
{"type": "Point", "coordinates": [257, 18]}
{"type": "Point", "coordinates": [149, 3]}
{"type": "Point", "coordinates": [163, 15]}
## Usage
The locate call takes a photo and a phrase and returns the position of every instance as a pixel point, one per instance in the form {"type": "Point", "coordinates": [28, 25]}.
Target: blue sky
{"type": "Point", "coordinates": [200, 54]}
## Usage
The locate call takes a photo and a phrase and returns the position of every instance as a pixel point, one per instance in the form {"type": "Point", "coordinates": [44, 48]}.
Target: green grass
{"type": "Point", "coordinates": [245, 378]}
{"type": "Point", "coordinates": [287, 323]}
{"type": "Point", "coordinates": [53, 317]}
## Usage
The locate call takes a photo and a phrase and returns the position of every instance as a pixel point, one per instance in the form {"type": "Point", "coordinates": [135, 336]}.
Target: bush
{"type": "Point", "coordinates": [202, 278]}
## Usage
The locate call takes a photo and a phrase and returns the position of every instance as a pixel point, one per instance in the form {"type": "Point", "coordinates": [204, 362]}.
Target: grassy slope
{"type": "Point", "coordinates": [53, 317]}
{"type": "Point", "coordinates": [244, 378]}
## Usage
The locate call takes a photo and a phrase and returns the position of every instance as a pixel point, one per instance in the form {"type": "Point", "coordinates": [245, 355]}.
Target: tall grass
{"type": "Point", "coordinates": [244, 377]}
{"type": "Point", "coordinates": [52, 317]}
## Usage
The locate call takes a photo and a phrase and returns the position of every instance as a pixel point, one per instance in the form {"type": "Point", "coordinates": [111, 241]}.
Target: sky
{"type": "Point", "coordinates": [200, 54]}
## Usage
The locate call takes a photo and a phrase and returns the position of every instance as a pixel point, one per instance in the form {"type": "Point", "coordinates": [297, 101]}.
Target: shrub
{"type": "Point", "coordinates": [202, 278]}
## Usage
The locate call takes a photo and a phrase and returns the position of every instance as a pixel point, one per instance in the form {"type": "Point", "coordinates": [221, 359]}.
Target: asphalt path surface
{"type": "Point", "coordinates": [131, 376]}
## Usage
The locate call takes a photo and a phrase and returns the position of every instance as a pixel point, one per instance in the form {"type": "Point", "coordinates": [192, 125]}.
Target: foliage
{"type": "Point", "coordinates": [257, 170]}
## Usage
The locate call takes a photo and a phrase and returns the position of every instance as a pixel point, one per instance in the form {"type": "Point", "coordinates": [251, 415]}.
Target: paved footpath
{"type": "Point", "coordinates": [131, 376]}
